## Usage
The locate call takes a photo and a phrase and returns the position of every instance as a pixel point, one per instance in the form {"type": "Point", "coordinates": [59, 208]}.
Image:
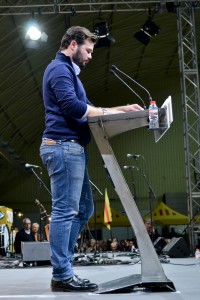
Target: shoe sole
{"type": "Point", "coordinates": [73, 291]}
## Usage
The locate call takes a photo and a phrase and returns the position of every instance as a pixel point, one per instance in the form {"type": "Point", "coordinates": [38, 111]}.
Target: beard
{"type": "Point", "coordinates": [78, 59]}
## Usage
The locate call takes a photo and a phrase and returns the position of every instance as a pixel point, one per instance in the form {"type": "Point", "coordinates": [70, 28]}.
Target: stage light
{"type": "Point", "coordinates": [34, 33]}
{"type": "Point", "coordinates": [34, 37]}
{"type": "Point", "coordinates": [105, 39]}
{"type": "Point", "coordinates": [148, 30]}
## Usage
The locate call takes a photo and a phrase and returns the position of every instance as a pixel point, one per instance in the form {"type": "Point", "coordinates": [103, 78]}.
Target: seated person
{"type": "Point", "coordinates": [131, 246]}
{"type": "Point", "coordinates": [23, 235]}
{"type": "Point", "coordinates": [153, 234]}
{"type": "Point", "coordinates": [172, 233]}
{"type": "Point", "coordinates": [35, 230]}
{"type": "Point", "coordinates": [114, 246]}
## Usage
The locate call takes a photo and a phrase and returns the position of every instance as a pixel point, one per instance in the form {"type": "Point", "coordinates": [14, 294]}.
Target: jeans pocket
{"type": "Point", "coordinates": [47, 155]}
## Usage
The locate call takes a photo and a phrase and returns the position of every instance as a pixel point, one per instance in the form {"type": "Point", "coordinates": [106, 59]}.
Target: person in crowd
{"type": "Point", "coordinates": [63, 152]}
{"type": "Point", "coordinates": [92, 246]}
{"type": "Point", "coordinates": [153, 234]}
{"type": "Point", "coordinates": [23, 235]}
{"type": "Point", "coordinates": [132, 246]}
{"type": "Point", "coordinates": [172, 233]}
{"type": "Point", "coordinates": [35, 230]}
{"type": "Point", "coordinates": [114, 246]}
{"type": "Point", "coordinates": [122, 246]}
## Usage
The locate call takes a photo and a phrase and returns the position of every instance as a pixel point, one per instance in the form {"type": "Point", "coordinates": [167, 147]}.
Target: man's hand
{"type": "Point", "coordinates": [131, 107]}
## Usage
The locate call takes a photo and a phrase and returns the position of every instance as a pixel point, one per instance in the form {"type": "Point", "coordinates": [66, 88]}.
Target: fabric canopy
{"type": "Point", "coordinates": [118, 219]}
{"type": "Point", "coordinates": [164, 215]}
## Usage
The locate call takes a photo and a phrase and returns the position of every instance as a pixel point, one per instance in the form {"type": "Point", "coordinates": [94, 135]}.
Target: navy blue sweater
{"type": "Point", "coordinates": [65, 102]}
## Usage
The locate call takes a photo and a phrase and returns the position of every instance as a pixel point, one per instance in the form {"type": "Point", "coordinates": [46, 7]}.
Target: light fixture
{"type": "Point", "coordinates": [148, 30]}
{"type": "Point", "coordinates": [20, 214]}
{"type": "Point", "coordinates": [34, 37]}
{"type": "Point", "coordinates": [105, 39]}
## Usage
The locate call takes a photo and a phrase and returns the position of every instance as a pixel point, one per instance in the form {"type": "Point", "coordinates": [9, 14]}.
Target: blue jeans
{"type": "Point", "coordinates": [72, 203]}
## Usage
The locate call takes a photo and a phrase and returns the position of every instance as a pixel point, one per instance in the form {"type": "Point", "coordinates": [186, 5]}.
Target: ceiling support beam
{"type": "Point", "coordinates": [61, 7]}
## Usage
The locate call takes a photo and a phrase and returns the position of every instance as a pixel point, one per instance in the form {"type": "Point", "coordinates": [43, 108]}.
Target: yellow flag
{"type": "Point", "coordinates": [107, 211]}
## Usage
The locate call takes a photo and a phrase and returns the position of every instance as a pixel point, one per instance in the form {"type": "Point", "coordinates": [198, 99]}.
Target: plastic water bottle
{"type": "Point", "coordinates": [197, 257]}
{"type": "Point", "coordinates": [153, 115]}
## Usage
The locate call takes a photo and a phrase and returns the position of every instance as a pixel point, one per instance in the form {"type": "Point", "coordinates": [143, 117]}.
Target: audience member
{"type": "Point", "coordinates": [114, 246]}
{"type": "Point", "coordinates": [122, 246]}
{"type": "Point", "coordinates": [35, 230]}
{"type": "Point", "coordinates": [172, 233]}
{"type": "Point", "coordinates": [23, 235]}
{"type": "Point", "coordinates": [152, 232]}
{"type": "Point", "coordinates": [131, 246]}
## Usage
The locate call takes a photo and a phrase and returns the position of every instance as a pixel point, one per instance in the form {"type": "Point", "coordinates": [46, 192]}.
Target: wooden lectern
{"type": "Point", "coordinates": [103, 128]}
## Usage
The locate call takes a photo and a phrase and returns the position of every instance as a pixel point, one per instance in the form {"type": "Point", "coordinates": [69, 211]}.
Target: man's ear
{"type": "Point", "coordinates": [73, 45]}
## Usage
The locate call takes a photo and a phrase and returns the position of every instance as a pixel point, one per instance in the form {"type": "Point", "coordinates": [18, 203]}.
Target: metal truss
{"type": "Point", "coordinates": [26, 7]}
{"type": "Point", "coordinates": [191, 109]}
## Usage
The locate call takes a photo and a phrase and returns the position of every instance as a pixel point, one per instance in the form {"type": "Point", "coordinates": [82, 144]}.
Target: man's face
{"type": "Point", "coordinates": [35, 228]}
{"type": "Point", "coordinates": [83, 53]}
{"type": "Point", "coordinates": [148, 226]}
{"type": "Point", "coordinates": [27, 224]}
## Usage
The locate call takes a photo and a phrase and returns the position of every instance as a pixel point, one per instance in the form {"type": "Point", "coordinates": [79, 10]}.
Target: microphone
{"type": "Point", "coordinates": [131, 167]}
{"type": "Point", "coordinates": [114, 68]}
{"type": "Point", "coordinates": [29, 166]}
{"type": "Point", "coordinates": [134, 155]}
{"type": "Point", "coordinates": [113, 72]}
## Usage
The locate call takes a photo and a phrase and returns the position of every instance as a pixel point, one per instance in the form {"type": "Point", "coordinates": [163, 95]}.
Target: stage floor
{"type": "Point", "coordinates": [34, 282]}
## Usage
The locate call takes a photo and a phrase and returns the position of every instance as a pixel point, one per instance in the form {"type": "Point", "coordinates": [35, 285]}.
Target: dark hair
{"type": "Point", "coordinates": [77, 33]}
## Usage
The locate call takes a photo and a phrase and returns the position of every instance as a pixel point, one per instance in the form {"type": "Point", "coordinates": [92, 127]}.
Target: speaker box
{"type": "Point", "coordinates": [177, 247]}
{"type": "Point", "coordinates": [35, 251]}
{"type": "Point", "coordinates": [159, 244]}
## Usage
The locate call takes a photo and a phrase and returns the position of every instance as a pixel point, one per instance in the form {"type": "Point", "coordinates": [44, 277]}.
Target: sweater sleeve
{"type": "Point", "coordinates": [62, 81]}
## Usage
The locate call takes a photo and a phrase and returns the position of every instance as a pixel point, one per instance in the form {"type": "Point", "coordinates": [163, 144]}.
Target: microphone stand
{"type": "Point", "coordinates": [41, 184]}
{"type": "Point", "coordinates": [150, 189]}
{"type": "Point", "coordinates": [94, 190]}
{"type": "Point", "coordinates": [133, 184]}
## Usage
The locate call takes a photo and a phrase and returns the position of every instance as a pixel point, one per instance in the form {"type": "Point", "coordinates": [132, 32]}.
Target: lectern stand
{"type": "Point", "coordinates": [152, 275]}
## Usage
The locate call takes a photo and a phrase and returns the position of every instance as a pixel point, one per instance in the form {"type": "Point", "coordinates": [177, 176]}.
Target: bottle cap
{"type": "Point", "coordinates": [153, 102]}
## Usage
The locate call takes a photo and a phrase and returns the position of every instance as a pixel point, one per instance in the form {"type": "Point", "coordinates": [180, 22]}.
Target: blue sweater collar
{"type": "Point", "coordinates": [66, 58]}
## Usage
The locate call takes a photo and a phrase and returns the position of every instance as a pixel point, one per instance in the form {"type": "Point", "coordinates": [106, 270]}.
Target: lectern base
{"type": "Point", "coordinates": [134, 283]}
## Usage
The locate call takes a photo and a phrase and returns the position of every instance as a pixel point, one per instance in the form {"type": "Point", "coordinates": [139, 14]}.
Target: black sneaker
{"type": "Point", "coordinates": [72, 285]}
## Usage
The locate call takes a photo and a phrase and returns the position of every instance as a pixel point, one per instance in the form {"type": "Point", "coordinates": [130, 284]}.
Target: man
{"type": "Point", "coordinates": [35, 230]}
{"type": "Point", "coordinates": [63, 152]}
{"type": "Point", "coordinates": [153, 234]}
{"type": "Point", "coordinates": [23, 235]}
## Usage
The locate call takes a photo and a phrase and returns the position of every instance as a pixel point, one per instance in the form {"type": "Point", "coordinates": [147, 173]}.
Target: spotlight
{"type": "Point", "coordinates": [148, 30]}
{"type": "Point", "coordinates": [34, 33]}
{"type": "Point", "coordinates": [105, 39]}
{"type": "Point", "coordinates": [34, 37]}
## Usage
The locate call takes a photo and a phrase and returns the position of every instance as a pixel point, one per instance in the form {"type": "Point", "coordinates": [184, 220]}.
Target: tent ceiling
{"type": "Point", "coordinates": [21, 69]}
